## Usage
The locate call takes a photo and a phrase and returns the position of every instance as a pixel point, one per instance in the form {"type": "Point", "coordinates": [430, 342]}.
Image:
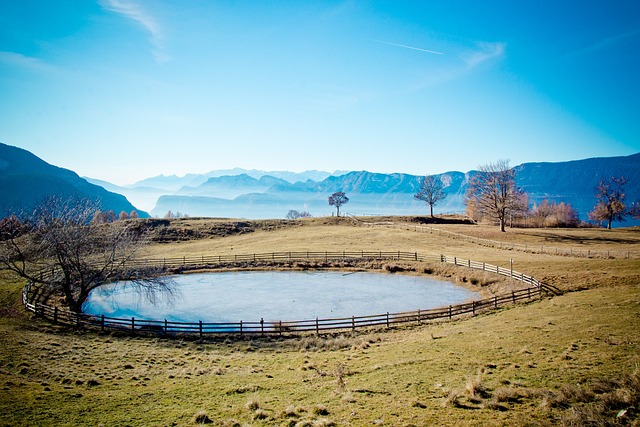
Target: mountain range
{"type": "Point", "coordinates": [242, 193]}
{"type": "Point", "coordinates": [259, 194]}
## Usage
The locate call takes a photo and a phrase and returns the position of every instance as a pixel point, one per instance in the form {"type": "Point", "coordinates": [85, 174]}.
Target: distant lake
{"type": "Point", "coordinates": [279, 295]}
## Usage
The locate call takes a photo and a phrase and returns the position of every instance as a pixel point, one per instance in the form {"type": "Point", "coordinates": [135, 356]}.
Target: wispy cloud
{"type": "Point", "coordinates": [610, 41]}
{"type": "Point", "coordinates": [406, 47]}
{"type": "Point", "coordinates": [463, 62]}
{"type": "Point", "coordinates": [25, 62]}
{"type": "Point", "coordinates": [133, 12]}
{"type": "Point", "coordinates": [484, 52]}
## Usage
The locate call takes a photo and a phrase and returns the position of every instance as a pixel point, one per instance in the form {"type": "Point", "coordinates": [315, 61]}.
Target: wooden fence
{"type": "Point", "coordinates": [541, 249]}
{"type": "Point", "coordinates": [262, 327]}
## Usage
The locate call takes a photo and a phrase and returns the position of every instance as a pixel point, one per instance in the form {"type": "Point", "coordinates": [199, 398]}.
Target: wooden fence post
{"type": "Point", "coordinates": [200, 328]}
{"type": "Point", "coordinates": [262, 326]}
{"type": "Point", "coordinates": [241, 327]}
{"type": "Point", "coordinates": [495, 301]}
{"type": "Point", "coordinates": [473, 308]}
{"type": "Point", "coordinates": [133, 325]}
{"type": "Point", "coordinates": [450, 313]}
{"type": "Point", "coordinates": [513, 296]}
{"type": "Point", "coordinates": [353, 323]}
{"type": "Point", "coordinates": [102, 323]}
{"type": "Point", "coordinates": [419, 316]}
{"type": "Point", "coordinates": [317, 327]}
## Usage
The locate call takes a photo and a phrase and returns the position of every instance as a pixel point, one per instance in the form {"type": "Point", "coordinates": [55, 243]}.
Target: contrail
{"type": "Point", "coordinates": [406, 47]}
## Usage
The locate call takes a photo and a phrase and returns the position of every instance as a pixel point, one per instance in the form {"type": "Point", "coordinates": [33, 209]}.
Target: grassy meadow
{"type": "Point", "coordinates": [572, 359]}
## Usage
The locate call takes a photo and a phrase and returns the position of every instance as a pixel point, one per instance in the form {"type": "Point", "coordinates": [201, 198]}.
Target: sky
{"type": "Point", "coordinates": [122, 90]}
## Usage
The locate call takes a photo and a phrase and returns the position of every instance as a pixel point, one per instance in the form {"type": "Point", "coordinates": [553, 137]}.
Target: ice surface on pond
{"type": "Point", "coordinates": [278, 295]}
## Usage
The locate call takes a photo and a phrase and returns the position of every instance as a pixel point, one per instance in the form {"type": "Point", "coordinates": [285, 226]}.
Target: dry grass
{"type": "Point", "coordinates": [565, 360]}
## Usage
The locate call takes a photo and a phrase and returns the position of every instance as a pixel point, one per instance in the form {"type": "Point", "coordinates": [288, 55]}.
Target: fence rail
{"type": "Point", "coordinates": [168, 328]}
{"type": "Point", "coordinates": [541, 249]}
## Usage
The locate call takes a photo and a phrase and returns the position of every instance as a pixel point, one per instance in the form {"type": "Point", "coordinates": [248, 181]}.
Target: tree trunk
{"type": "Point", "coordinates": [431, 206]}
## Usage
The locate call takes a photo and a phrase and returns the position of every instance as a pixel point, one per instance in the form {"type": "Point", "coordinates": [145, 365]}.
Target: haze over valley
{"type": "Point", "coordinates": [253, 194]}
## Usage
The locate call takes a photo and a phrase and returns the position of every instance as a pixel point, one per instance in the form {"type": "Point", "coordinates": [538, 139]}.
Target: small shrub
{"type": "Point", "coordinates": [291, 412]}
{"type": "Point", "coordinates": [452, 398]}
{"type": "Point", "coordinates": [252, 404]}
{"type": "Point", "coordinates": [475, 387]}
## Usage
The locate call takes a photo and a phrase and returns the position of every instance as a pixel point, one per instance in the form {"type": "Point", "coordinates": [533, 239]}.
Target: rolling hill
{"type": "Point", "coordinates": [25, 180]}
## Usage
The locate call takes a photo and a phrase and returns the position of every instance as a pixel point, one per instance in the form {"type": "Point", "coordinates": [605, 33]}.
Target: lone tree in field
{"type": "Point", "coordinates": [294, 214]}
{"type": "Point", "coordinates": [610, 196]}
{"type": "Point", "coordinates": [338, 199]}
{"type": "Point", "coordinates": [431, 191]}
{"type": "Point", "coordinates": [62, 252]}
{"type": "Point", "coordinates": [493, 193]}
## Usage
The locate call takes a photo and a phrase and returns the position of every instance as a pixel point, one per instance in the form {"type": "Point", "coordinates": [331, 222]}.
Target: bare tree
{"type": "Point", "coordinates": [62, 252]}
{"type": "Point", "coordinates": [294, 214]}
{"type": "Point", "coordinates": [610, 206]}
{"type": "Point", "coordinates": [338, 199]}
{"type": "Point", "coordinates": [554, 214]}
{"type": "Point", "coordinates": [492, 192]}
{"type": "Point", "coordinates": [431, 191]}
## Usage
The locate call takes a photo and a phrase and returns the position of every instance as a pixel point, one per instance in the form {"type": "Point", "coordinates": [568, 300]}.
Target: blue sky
{"type": "Point", "coordinates": [126, 89]}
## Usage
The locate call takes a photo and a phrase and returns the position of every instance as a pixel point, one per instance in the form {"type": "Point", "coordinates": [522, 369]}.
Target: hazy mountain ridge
{"type": "Point", "coordinates": [175, 183]}
{"type": "Point", "coordinates": [26, 180]}
{"type": "Point", "coordinates": [377, 193]}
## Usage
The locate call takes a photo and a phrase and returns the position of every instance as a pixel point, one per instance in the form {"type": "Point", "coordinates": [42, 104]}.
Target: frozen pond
{"type": "Point", "coordinates": [279, 295]}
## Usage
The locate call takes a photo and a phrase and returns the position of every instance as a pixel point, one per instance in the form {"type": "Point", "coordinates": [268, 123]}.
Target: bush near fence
{"type": "Point", "coordinates": [262, 327]}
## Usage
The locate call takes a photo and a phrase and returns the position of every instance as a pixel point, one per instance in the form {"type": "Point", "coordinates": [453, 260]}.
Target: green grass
{"type": "Point", "coordinates": [556, 361]}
